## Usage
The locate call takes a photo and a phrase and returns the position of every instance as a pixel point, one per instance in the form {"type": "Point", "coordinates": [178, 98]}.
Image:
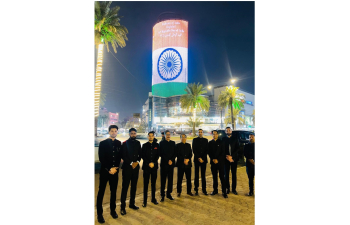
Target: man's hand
{"type": "Point", "coordinates": [113, 170]}
{"type": "Point", "coordinates": [134, 164]}
{"type": "Point", "coordinates": [229, 158]}
{"type": "Point", "coordinates": [151, 165]}
{"type": "Point", "coordinates": [215, 161]}
{"type": "Point", "coordinates": [200, 160]}
{"type": "Point", "coordinates": [170, 162]}
{"type": "Point", "coordinates": [252, 161]}
{"type": "Point", "coordinates": [186, 161]}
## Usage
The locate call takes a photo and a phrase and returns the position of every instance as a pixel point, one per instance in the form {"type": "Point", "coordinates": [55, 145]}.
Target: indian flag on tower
{"type": "Point", "coordinates": [169, 58]}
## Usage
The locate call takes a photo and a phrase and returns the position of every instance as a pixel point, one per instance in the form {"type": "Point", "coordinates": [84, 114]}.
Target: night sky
{"type": "Point", "coordinates": [221, 46]}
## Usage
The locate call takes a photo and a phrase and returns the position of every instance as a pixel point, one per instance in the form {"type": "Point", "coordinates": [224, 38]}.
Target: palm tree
{"type": "Point", "coordinates": [236, 116]}
{"type": "Point", "coordinates": [194, 100]}
{"type": "Point", "coordinates": [229, 97]}
{"type": "Point", "coordinates": [107, 31]}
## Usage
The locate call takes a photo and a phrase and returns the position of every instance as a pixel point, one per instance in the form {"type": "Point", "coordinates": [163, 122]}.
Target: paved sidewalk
{"type": "Point", "coordinates": [236, 209]}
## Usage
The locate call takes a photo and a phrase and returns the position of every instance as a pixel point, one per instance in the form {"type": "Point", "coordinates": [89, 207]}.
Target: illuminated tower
{"type": "Point", "coordinates": [169, 57]}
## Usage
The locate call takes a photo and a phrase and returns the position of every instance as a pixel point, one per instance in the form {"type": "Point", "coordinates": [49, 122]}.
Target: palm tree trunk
{"type": "Point", "coordinates": [221, 120]}
{"type": "Point", "coordinates": [232, 119]}
{"type": "Point", "coordinates": [98, 83]}
{"type": "Point", "coordinates": [194, 123]}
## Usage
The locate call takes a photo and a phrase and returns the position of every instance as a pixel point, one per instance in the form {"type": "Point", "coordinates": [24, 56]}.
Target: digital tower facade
{"type": "Point", "coordinates": [169, 58]}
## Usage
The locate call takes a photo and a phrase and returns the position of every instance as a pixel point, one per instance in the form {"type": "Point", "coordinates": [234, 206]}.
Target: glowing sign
{"type": "Point", "coordinates": [249, 103]}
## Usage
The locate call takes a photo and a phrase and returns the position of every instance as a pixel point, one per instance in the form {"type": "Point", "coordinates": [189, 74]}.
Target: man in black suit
{"type": "Point", "coordinates": [184, 164]}
{"type": "Point", "coordinates": [168, 154]}
{"type": "Point", "coordinates": [249, 153]}
{"type": "Point", "coordinates": [200, 147]}
{"type": "Point", "coordinates": [217, 161]}
{"type": "Point", "coordinates": [150, 156]}
{"type": "Point", "coordinates": [131, 154]}
{"type": "Point", "coordinates": [231, 152]}
{"type": "Point", "coordinates": [109, 153]}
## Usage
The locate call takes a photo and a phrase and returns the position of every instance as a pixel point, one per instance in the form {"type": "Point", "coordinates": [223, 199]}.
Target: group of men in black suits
{"type": "Point", "coordinates": [223, 156]}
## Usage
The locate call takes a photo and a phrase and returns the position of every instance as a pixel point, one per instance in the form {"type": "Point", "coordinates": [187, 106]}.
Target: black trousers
{"type": "Point", "coordinates": [203, 167]}
{"type": "Point", "coordinates": [129, 174]}
{"type": "Point", "coordinates": [180, 175]}
{"type": "Point", "coordinates": [251, 173]}
{"type": "Point", "coordinates": [113, 184]}
{"type": "Point", "coordinates": [146, 175]}
{"type": "Point", "coordinates": [233, 167]}
{"type": "Point", "coordinates": [166, 172]}
{"type": "Point", "coordinates": [215, 168]}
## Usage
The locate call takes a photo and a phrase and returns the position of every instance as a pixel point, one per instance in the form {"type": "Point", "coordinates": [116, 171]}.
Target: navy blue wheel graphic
{"type": "Point", "coordinates": [169, 64]}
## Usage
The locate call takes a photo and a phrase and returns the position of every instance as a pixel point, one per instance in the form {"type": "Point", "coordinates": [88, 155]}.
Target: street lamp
{"type": "Point", "coordinates": [209, 87]}
{"type": "Point", "coordinates": [233, 80]}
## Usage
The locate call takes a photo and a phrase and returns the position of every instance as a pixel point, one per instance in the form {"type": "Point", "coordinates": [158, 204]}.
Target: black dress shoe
{"type": "Point", "coordinates": [114, 215]}
{"type": "Point", "coordinates": [144, 204]}
{"type": "Point", "coordinates": [250, 194]}
{"type": "Point", "coordinates": [225, 195]}
{"type": "Point", "coordinates": [205, 193]}
{"type": "Point", "coordinates": [170, 197]}
{"type": "Point", "coordinates": [214, 193]}
{"type": "Point", "coordinates": [100, 219]}
{"type": "Point", "coordinates": [190, 194]}
{"type": "Point", "coordinates": [235, 192]}
{"type": "Point", "coordinates": [123, 212]}
{"type": "Point", "coordinates": [154, 201]}
{"type": "Point", "coordinates": [162, 199]}
{"type": "Point", "coordinates": [133, 207]}
{"type": "Point", "coordinates": [178, 194]}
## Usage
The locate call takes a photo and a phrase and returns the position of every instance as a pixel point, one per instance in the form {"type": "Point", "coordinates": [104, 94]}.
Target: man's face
{"type": "Point", "coordinates": [167, 136]}
{"type": "Point", "coordinates": [252, 138]}
{"type": "Point", "coordinates": [200, 133]}
{"type": "Point", "coordinates": [228, 132]}
{"type": "Point", "coordinates": [151, 137]}
{"type": "Point", "coordinates": [215, 135]}
{"type": "Point", "coordinates": [113, 133]}
{"type": "Point", "coordinates": [132, 134]}
{"type": "Point", "coordinates": [183, 138]}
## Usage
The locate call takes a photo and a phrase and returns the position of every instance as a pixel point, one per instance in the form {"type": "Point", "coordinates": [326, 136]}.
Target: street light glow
{"type": "Point", "coordinates": [209, 87]}
{"type": "Point", "coordinates": [233, 80]}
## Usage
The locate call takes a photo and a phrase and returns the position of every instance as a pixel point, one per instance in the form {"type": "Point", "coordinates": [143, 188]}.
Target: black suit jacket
{"type": "Point", "coordinates": [234, 147]}
{"type": "Point", "coordinates": [183, 152]}
{"type": "Point", "coordinates": [200, 148]}
{"type": "Point", "coordinates": [150, 153]}
{"type": "Point", "coordinates": [217, 151]}
{"type": "Point", "coordinates": [108, 156]}
{"type": "Point", "coordinates": [131, 152]}
{"type": "Point", "coordinates": [167, 152]}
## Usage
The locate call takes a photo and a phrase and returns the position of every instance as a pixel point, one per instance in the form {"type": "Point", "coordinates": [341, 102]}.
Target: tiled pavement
{"type": "Point", "coordinates": [202, 209]}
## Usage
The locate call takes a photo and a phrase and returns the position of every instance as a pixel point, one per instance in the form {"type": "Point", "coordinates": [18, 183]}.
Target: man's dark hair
{"type": "Point", "coordinates": [151, 132]}
{"type": "Point", "coordinates": [227, 128]}
{"type": "Point", "coordinates": [167, 131]}
{"type": "Point", "coordinates": [182, 134]}
{"type": "Point", "coordinates": [132, 129]}
{"type": "Point", "coordinates": [252, 134]}
{"type": "Point", "coordinates": [200, 129]}
{"type": "Point", "coordinates": [112, 126]}
{"type": "Point", "coordinates": [214, 131]}
{"type": "Point", "coordinates": [162, 133]}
